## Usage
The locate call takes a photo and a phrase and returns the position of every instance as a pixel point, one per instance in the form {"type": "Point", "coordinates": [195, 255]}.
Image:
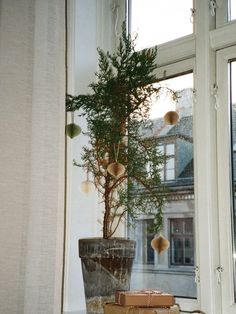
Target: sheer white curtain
{"type": "Point", "coordinates": [32, 90]}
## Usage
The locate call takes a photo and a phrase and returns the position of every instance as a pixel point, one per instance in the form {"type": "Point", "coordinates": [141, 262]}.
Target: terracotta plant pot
{"type": "Point", "coordinates": [106, 266]}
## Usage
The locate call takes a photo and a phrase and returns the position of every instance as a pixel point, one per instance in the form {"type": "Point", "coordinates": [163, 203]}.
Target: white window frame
{"type": "Point", "coordinates": [225, 178]}
{"type": "Point", "coordinates": [210, 291]}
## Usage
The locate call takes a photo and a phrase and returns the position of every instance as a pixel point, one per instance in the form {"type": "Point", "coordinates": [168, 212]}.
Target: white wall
{"type": "Point", "coordinates": [32, 67]}
{"type": "Point", "coordinates": [90, 24]}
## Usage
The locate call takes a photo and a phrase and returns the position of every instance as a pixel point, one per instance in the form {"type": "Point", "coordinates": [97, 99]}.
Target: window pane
{"type": "Point", "coordinates": [177, 226]}
{"type": "Point", "coordinates": [233, 82]}
{"type": "Point", "coordinates": [232, 10]}
{"type": "Point", "coordinates": [188, 226]}
{"type": "Point", "coordinates": [233, 144]}
{"type": "Point", "coordinates": [150, 251]}
{"type": "Point", "coordinates": [161, 271]}
{"type": "Point", "coordinates": [189, 253]}
{"type": "Point", "coordinates": [160, 149]}
{"type": "Point", "coordinates": [183, 84]}
{"type": "Point", "coordinates": [177, 249]}
{"type": "Point", "coordinates": [170, 149]}
{"type": "Point", "coordinates": [182, 248]}
{"type": "Point", "coordinates": [159, 21]}
{"type": "Point", "coordinates": [170, 164]}
{"type": "Point", "coordinates": [170, 174]}
{"type": "Point", "coordinates": [162, 174]}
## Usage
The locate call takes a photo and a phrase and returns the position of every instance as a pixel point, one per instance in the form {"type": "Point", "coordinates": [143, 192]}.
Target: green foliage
{"type": "Point", "coordinates": [117, 111]}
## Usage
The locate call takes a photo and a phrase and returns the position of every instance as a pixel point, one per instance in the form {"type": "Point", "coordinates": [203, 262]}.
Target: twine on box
{"type": "Point", "coordinates": [149, 296]}
{"type": "Point", "coordinates": [148, 293]}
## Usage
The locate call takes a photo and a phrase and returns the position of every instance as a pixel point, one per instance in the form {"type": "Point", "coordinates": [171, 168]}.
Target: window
{"type": "Point", "coordinates": [181, 242]}
{"type": "Point", "coordinates": [168, 171]}
{"type": "Point", "coordinates": [144, 251]}
{"type": "Point", "coordinates": [176, 142]}
{"type": "Point", "coordinates": [159, 21]}
{"type": "Point", "coordinates": [213, 221]}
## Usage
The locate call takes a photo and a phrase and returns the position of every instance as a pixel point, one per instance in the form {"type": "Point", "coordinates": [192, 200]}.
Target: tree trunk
{"type": "Point", "coordinates": [106, 219]}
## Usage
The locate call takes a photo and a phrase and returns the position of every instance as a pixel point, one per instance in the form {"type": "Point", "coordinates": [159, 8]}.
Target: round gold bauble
{"type": "Point", "coordinates": [160, 244]}
{"type": "Point", "coordinates": [171, 117]}
{"type": "Point", "coordinates": [72, 130]}
{"type": "Point", "coordinates": [87, 186]}
{"type": "Point", "coordinates": [116, 169]}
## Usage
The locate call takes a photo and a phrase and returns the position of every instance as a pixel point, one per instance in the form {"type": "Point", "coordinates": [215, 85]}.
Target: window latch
{"type": "Point", "coordinates": [219, 271]}
{"type": "Point", "coordinates": [193, 11]}
{"type": "Point", "coordinates": [213, 6]}
{"type": "Point", "coordinates": [214, 93]}
{"type": "Point", "coordinates": [197, 274]}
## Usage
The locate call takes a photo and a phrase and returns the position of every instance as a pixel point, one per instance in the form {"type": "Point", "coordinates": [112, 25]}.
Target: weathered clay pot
{"type": "Point", "coordinates": [106, 265]}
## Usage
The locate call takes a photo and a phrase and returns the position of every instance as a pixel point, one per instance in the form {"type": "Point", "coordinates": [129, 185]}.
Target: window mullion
{"type": "Point", "coordinates": [205, 164]}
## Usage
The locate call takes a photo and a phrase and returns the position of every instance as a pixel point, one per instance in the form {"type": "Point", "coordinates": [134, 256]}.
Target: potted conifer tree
{"type": "Point", "coordinates": [117, 112]}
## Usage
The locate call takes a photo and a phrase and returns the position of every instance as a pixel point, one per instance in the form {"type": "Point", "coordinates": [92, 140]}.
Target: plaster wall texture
{"type": "Point", "coordinates": [32, 89]}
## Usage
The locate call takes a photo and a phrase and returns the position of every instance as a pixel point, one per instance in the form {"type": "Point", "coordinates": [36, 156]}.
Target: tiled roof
{"type": "Point", "coordinates": [184, 127]}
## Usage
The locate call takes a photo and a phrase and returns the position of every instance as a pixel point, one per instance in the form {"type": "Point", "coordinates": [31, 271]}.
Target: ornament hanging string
{"type": "Point", "coordinates": [86, 168]}
{"type": "Point", "coordinates": [87, 175]}
{"type": "Point", "coordinates": [72, 116]}
{"type": "Point", "coordinates": [116, 152]}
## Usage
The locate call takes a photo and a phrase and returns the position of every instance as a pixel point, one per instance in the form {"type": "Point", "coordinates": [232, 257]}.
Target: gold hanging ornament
{"type": "Point", "coordinates": [116, 169]}
{"type": "Point", "coordinates": [160, 243]}
{"type": "Point", "coordinates": [72, 129]}
{"type": "Point", "coordinates": [171, 118]}
{"type": "Point", "coordinates": [87, 186]}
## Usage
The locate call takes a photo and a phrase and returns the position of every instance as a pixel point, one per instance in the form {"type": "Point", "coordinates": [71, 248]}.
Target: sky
{"type": "Point", "coordinates": [150, 23]}
{"type": "Point", "coordinates": [233, 9]}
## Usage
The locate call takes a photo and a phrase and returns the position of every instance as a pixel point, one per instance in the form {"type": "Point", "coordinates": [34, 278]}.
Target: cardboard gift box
{"type": "Point", "coordinates": [112, 308]}
{"type": "Point", "coordinates": [144, 298]}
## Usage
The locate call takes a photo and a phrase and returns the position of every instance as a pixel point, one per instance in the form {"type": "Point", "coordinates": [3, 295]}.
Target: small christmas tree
{"type": "Point", "coordinates": [124, 164]}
